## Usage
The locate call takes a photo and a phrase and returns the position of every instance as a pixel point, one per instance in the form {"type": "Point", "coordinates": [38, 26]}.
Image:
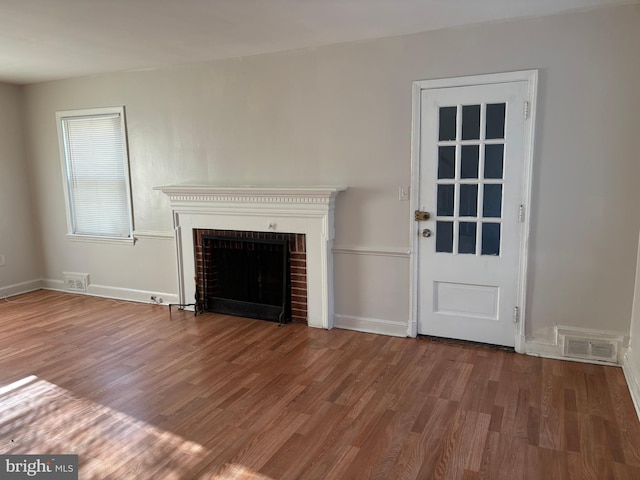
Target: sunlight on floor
{"type": "Point", "coordinates": [237, 472]}
{"type": "Point", "coordinates": [38, 417]}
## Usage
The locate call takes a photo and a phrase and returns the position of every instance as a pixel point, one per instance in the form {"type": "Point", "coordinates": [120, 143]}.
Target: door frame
{"type": "Point", "coordinates": [529, 76]}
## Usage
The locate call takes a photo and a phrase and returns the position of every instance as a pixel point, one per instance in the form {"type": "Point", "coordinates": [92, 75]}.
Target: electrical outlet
{"type": "Point", "coordinates": [2, 264]}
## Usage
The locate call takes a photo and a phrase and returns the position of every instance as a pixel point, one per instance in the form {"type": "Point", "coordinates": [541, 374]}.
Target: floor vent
{"type": "Point", "coordinates": [75, 282]}
{"type": "Point", "coordinates": [587, 348]}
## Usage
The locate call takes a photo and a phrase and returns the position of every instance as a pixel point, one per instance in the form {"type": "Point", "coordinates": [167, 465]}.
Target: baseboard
{"type": "Point", "coordinates": [632, 375]}
{"type": "Point", "coordinates": [131, 294]}
{"type": "Point", "coordinates": [370, 325]}
{"type": "Point", "coordinates": [20, 288]}
{"type": "Point", "coordinates": [117, 293]}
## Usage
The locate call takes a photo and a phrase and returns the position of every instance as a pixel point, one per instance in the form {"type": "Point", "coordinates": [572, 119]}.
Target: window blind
{"type": "Point", "coordinates": [97, 175]}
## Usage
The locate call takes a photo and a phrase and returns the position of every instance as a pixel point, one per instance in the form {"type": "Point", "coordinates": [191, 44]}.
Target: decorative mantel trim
{"type": "Point", "coordinates": [304, 210]}
{"type": "Point", "coordinates": [250, 194]}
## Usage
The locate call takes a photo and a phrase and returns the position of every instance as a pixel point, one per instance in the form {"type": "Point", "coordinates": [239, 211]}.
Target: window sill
{"type": "Point", "coordinates": [110, 240]}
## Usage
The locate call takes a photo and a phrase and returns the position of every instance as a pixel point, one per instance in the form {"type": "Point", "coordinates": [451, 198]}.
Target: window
{"type": "Point", "coordinates": [93, 150]}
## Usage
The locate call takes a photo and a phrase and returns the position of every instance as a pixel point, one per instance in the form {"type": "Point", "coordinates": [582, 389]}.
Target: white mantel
{"type": "Point", "coordinates": [307, 210]}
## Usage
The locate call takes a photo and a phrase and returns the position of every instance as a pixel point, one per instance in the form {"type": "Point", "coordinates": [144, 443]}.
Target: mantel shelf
{"type": "Point", "coordinates": [251, 193]}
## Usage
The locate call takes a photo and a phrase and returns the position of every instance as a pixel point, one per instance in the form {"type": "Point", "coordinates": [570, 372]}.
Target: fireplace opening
{"type": "Point", "coordinates": [247, 277]}
{"type": "Point", "coordinates": [252, 274]}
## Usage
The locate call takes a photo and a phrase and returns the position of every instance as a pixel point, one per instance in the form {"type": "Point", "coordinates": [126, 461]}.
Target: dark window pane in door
{"type": "Point", "coordinates": [470, 155]}
{"type": "Point", "coordinates": [467, 237]}
{"type": "Point", "coordinates": [445, 201]}
{"type": "Point", "coordinates": [495, 120]}
{"type": "Point", "coordinates": [468, 200]}
{"type": "Point", "coordinates": [471, 122]}
{"type": "Point", "coordinates": [492, 201]}
{"type": "Point", "coordinates": [447, 123]}
{"type": "Point", "coordinates": [490, 239]}
{"type": "Point", "coordinates": [493, 161]}
{"type": "Point", "coordinates": [444, 237]}
{"type": "Point", "coordinates": [446, 162]}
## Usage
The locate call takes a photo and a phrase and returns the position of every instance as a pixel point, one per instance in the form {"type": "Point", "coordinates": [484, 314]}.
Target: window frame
{"type": "Point", "coordinates": [88, 112]}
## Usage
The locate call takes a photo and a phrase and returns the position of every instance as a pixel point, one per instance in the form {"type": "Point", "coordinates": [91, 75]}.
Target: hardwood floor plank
{"type": "Point", "coordinates": [140, 394]}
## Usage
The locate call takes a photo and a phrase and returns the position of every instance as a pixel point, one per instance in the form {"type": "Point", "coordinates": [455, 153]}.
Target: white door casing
{"type": "Point", "coordinates": [471, 170]}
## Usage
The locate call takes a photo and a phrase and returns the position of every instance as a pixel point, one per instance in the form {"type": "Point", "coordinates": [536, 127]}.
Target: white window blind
{"type": "Point", "coordinates": [97, 173]}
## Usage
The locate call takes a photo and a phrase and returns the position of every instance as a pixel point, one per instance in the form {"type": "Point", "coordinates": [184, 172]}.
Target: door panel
{"type": "Point", "coordinates": [471, 181]}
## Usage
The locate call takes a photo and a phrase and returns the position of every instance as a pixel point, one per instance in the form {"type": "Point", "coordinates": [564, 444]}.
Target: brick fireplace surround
{"type": "Point", "coordinates": [295, 210]}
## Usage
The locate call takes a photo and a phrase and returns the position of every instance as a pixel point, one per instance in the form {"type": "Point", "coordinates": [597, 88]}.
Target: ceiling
{"type": "Point", "coordinates": [44, 40]}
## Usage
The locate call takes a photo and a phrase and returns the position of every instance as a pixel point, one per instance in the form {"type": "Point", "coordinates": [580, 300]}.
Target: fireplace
{"type": "Point", "coordinates": [252, 274]}
{"type": "Point", "coordinates": [307, 211]}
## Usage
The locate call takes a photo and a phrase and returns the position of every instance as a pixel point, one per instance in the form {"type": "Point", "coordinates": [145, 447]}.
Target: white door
{"type": "Point", "coordinates": [471, 181]}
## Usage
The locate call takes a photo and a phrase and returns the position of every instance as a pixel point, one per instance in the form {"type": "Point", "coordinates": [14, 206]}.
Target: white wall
{"type": "Point", "coordinates": [632, 359]}
{"type": "Point", "coordinates": [18, 242]}
{"type": "Point", "coordinates": [342, 115]}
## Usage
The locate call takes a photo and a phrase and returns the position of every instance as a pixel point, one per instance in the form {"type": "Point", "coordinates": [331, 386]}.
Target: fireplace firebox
{"type": "Point", "coordinates": [248, 277]}
{"type": "Point", "coordinates": [260, 275]}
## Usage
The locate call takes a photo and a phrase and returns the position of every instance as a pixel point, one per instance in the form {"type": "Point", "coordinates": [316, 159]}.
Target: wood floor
{"type": "Point", "coordinates": [140, 395]}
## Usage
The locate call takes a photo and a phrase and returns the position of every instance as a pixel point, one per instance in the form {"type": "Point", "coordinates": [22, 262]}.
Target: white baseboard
{"type": "Point", "coordinates": [632, 375]}
{"type": "Point", "coordinates": [371, 325]}
{"type": "Point", "coordinates": [20, 288]}
{"type": "Point", "coordinates": [117, 293]}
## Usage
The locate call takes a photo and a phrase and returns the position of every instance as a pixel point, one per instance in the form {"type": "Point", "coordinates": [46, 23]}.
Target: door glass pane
{"type": "Point", "coordinates": [490, 239]}
{"type": "Point", "coordinates": [469, 161]}
{"type": "Point", "coordinates": [445, 201]}
{"type": "Point", "coordinates": [492, 201]}
{"type": "Point", "coordinates": [468, 200]}
{"type": "Point", "coordinates": [493, 161]}
{"type": "Point", "coordinates": [495, 120]}
{"type": "Point", "coordinates": [467, 237]}
{"type": "Point", "coordinates": [471, 122]}
{"type": "Point", "coordinates": [447, 123]}
{"type": "Point", "coordinates": [444, 237]}
{"type": "Point", "coordinates": [446, 162]}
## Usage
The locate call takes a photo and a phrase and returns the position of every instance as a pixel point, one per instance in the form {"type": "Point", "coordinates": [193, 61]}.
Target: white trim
{"type": "Point", "coordinates": [371, 325]}
{"type": "Point", "coordinates": [20, 288]}
{"type": "Point", "coordinates": [377, 252]}
{"type": "Point", "coordinates": [529, 76]}
{"type": "Point", "coordinates": [130, 294]}
{"type": "Point", "coordinates": [195, 194]}
{"type": "Point", "coordinates": [116, 293]}
{"type": "Point", "coordinates": [53, 284]}
{"type": "Point", "coordinates": [473, 80]}
{"type": "Point", "coordinates": [130, 241]}
{"type": "Point", "coordinates": [168, 235]}
{"type": "Point", "coordinates": [633, 380]}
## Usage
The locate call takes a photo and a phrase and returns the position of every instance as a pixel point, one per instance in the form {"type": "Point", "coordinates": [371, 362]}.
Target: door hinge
{"type": "Point", "coordinates": [521, 213]}
{"type": "Point", "coordinates": [516, 314]}
{"type": "Point", "coordinates": [526, 110]}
